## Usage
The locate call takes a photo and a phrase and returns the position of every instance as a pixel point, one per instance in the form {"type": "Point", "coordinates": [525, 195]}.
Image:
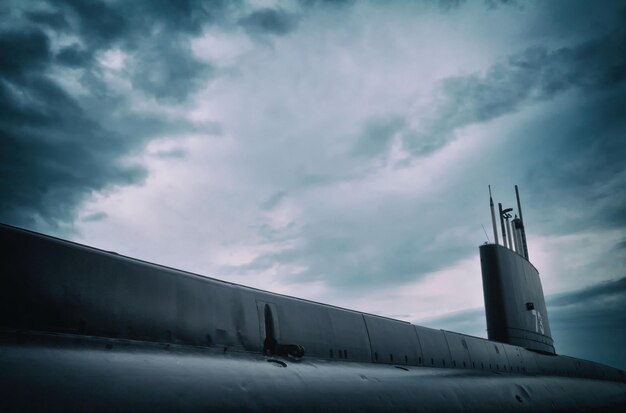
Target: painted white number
{"type": "Point", "coordinates": [538, 321]}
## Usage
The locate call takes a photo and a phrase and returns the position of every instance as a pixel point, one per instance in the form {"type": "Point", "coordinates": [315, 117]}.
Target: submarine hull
{"type": "Point", "coordinates": [65, 373]}
{"type": "Point", "coordinates": [83, 329]}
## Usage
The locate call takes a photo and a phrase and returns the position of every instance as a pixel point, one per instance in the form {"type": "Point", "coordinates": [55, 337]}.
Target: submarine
{"type": "Point", "coordinates": [82, 329]}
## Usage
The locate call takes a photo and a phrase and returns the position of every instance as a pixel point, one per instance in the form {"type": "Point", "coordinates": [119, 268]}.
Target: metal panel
{"type": "Point", "coordinates": [323, 331]}
{"type": "Point", "coordinates": [497, 356]}
{"type": "Point", "coordinates": [459, 350]}
{"type": "Point", "coordinates": [350, 334]}
{"type": "Point", "coordinates": [514, 357]}
{"type": "Point", "coordinates": [303, 323]}
{"type": "Point", "coordinates": [75, 289]}
{"type": "Point", "coordinates": [610, 373]}
{"type": "Point", "coordinates": [434, 347]}
{"type": "Point", "coordinates": [588, 369]}
{"type": "Point", "coordinates": [545, 364]}
{"type": "Point", "coordinates": [530, 363]}
{"type": "Point", "coordinates": [478, 352]}
{"type": "Point", "coordinates": [392, 341]}
{"type": "Point", "coordinates": [565, 366]}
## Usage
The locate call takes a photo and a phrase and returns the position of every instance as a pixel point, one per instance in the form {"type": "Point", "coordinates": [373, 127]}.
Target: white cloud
{"type": "Point", "coordinates": [221, 48]}
{"type": "Point", "coordinates": [114, 59]}
{"type": "Point", "coordinates": [577, 260]}
{"type": "Point", "coordinates": [389, 234]}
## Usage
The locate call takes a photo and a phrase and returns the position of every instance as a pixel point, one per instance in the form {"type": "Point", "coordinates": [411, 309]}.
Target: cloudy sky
{"type": "Point", "coordinates": [336, 151]}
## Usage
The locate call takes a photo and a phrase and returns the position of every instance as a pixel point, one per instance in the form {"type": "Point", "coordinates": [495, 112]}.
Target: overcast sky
{"type": "Point", "coordinates": [336, 151]}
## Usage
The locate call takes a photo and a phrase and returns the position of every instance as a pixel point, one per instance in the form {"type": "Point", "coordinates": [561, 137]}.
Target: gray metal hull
{"type": "Point", "coordinates": [87, 330]}
{"type": "Point", "coordinates": [510, 282]}
{"type": "Point", "coordinates": [74, 374]}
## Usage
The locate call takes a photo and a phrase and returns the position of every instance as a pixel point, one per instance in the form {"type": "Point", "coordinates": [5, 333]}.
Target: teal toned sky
{"type": "Point", "coordinates": [336, 151]}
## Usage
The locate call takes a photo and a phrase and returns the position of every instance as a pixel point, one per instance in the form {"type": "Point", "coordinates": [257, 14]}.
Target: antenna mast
{"type": "Point", "coordinates": [502, 224]}
{"type": "Point", "coordinates": [493, 217]}
{"type": "Point", "coordinates": [522, 229]}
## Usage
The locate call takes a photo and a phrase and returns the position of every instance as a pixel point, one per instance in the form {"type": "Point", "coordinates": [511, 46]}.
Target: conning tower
{"type": "Point", "coordinates": [514, 302]}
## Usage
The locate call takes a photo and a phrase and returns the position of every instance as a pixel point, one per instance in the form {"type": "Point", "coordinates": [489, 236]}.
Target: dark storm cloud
{"type": "Point", "coordinates": [98, 23]}
{"type": "Point", "coordinates": [573, 155]}
{"type": "Point", "coordinates": [96, 216]}
{"type": "Point", "coordinates": [269, 21]}
{"type": "Point", "coordinates": [607, 289]}
{"type": "Point", "coordinates": [55, 20]}
{"type": "Point", "coordinates": [574, 164]}
{"type": "Point", "coordinates": [23, 51]}
{"type": "Point", "coordinates": [332, 3]}
{"type": "Point", "coordinates": [55, 148]}
{"type": "Point", "coordinates": [493, 4]}
{"type": "Point", "coordinates": [590, 323]}
{"type": "Point", "coordinates": [187, 16]}
{"type": "Point", "coordinates": [274, 200]}
{"type": "Point", "coordinates": [472, 322]}
{"type": "Point", "coordinates": [53, 155]}
{"type": "Point", "coordinates": [73, 56]}
{"type": "Point", "coordinates": [377, 135]}
{"type": "Point", "coordinates": [168, 71]}
{"type": "Point", "coordinates": [450, 4]}
{"type": "Point", "coordinates": [533, 75]}
{"type": "Point", "coordinates": [156, 31]}
{"type": "Point", "coordinates": [176, 153]}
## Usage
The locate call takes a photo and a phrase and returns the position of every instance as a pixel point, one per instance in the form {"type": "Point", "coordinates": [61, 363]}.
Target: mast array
{"type": "Point", "coordinates": [513, 232]}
